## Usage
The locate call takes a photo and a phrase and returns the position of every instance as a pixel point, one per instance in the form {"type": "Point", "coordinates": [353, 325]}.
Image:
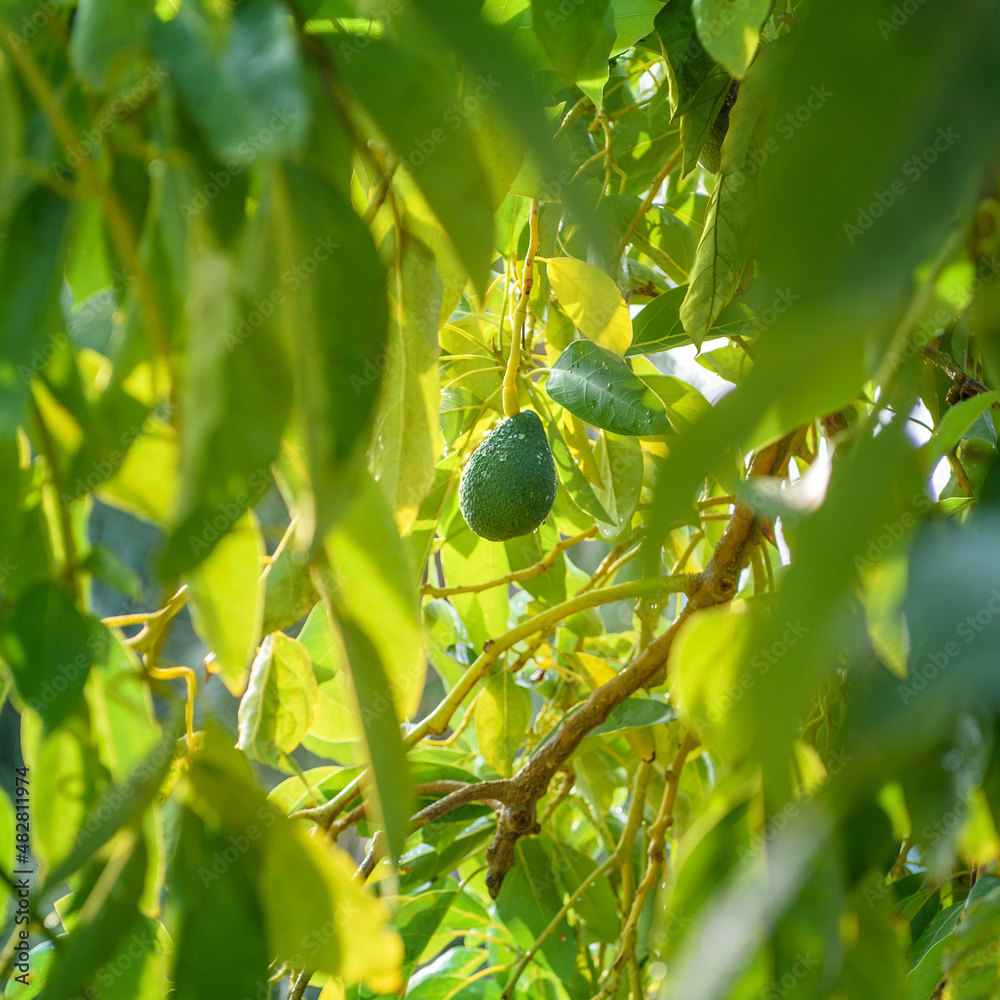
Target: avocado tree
{"type": "Point", "coordinates": [499, 500]}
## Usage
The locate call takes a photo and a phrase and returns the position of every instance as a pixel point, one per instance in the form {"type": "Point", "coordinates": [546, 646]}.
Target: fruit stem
{"type": "Point", "coordinates": [511, 407]}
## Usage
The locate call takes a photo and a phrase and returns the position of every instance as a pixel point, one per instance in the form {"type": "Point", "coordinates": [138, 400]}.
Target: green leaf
{"type": "Point", "coordinates": [839, 144]}
{"type": "Point", "coordinates": [635, 713]}
{"type": "Point", "coordinates": [418, 919]}
{"type": "Point", "coordinates": [66, 775]}
{"type": "Point", "coordinates": [926, 970]}
{"type": "Point", "coordinates": [594, 73]}
{"type": "Point", "coordinates": [336, 392]}
{"type": "Point", "coordinates": [10, 138]}
{"type": "Point", "coordinates": [596, 907]}
{"type": "Point", "coordinates": [592, 301]}
{"type": "Point", "coordinates": [416, 104]}
{"type": "Point", "coordinates": [701, 115]}
{"type": "Point", "coordinates": [955, 423]}
{"type": "Point", "coordinates": [105, 36]}
{"type": "Point", "coordinates": [502, 717]}
{"type": "Point", "coordinates": [375, 700]}
{"type": "Point", "coordinates": [110, 912]}
{"type": "Point", "coordinates": [220, 944]}
{"type": "Point", "coordinates": [118, 807]}
{"type": "Point", "coordinates": [687, 63]}
{"type": "Point", "coordinates": [289, 593]}
{"type": "Point", "coordinates": [50, 646]}
{"type": "Point", "coordinates": [31, 257]}
{"type": "Point", "coordinates": [633, 20]}
{"type": "Point", "coordinates": [407, 431]}
{"type": "Point", "coordinates": [620, 463]}
{"type": "Point", "coordinates": [242, 81]}
{"type": "Point", "coordinates": [378, 590]}
{"type": "Point", "coordinates": [722, 255]}
{"type": "Point", "coordinates": [301, 891]}
{"type": "Point", "coordinates": [755, 94]}
{"type": "Point", "coordinates": [730, 32]}
{"type": "Point", "coordinates": [279, 704]}
{"type": "Point", "coordinates": [468, 559]}
{"type": "Point", "coordinates": [226, 601]}
{"type": "Point", "coordinates": [40, 960]}
{"type": "Point", "coordinates": [530, 549]}
{"type": "Point", "coordinates": [236, 395]}
{"type": "Point", "coordinates": [598, 387]}
{"type": "Point", "coordinates": [567, 32]}
{"type": "Point", "coordinates": [657, 326]}
{"type": "Point", "coordinates": [571, 478]}
{"type": "Point", "coordinates": [529, 897]}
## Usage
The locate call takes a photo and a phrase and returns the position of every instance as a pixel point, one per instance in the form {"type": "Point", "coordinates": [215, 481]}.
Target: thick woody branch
{"type": "Point", "coordinates": [515, 798]}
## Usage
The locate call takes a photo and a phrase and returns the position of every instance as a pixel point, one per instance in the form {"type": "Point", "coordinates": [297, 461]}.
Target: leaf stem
{"type": "Point", "coordinates": [511, 406]}
{"type": "Point", "coordinates": [647, 203]}
{"type": "Point", "coordinates": [537, 569]}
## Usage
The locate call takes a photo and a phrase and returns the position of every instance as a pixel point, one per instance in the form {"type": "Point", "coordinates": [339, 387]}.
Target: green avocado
{"type": "Point", "coordinates": [710, 156]}
{"type": "Point", "coordinates": [509, 485]}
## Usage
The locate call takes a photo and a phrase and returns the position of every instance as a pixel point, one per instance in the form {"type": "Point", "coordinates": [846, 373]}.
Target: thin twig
{"type": "Point", "coordinates": [647, 203]}
{"type": "Point", "coordinates": [511, 406]}
{"type": "Point", "coordinates": [537, 569]}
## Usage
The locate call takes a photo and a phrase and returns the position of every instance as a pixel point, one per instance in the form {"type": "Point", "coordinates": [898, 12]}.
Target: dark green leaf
{"type": "Point", "coordinates": [49, 646]}
{"type": "Point", "coordinates": [110, 912]}
{"type": "Point", "coordinates": [30, 274]}
{"type": "Point", "coordinates": [598, 387]}
{"type": "Point", "coordinates": [242, 82]}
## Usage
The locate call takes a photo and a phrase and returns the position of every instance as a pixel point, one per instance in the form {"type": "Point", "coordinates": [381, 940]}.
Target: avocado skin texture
{"type": "Point", "coordinates": [711, 152]}
{"type": "Point", "coordinates": [509, 485]}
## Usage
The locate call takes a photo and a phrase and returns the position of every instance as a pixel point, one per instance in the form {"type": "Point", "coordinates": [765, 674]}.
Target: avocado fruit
{"type": "Point", "coordinates": [710, 156]}
{"type": "Point", "coordinates": [509, 484]}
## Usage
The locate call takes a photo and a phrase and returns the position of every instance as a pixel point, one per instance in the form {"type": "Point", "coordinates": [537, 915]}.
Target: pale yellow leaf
{"type": "Point", "coordinates": [592, 301]}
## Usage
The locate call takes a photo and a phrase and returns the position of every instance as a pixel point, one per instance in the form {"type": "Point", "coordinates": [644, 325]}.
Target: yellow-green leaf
{"type": "Point", "coordinates": [280, 701]}
{"type": "Point", "coordinates": [722, 255]}
{"type": "Point", "coordinates": [503, 714]}
{"type": "Point", "coordinates": [407, 429]}
{"type": "Point", "coordinates": [377, 587]}
{"type": "Point", "coordinates": [711, 677]}
{"type": "Point", "coordinates": [592, 301]}
{"type": "Point", "coordinates": [226, 601]}
{"type": "Point", "coordinates": [730, 31]}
